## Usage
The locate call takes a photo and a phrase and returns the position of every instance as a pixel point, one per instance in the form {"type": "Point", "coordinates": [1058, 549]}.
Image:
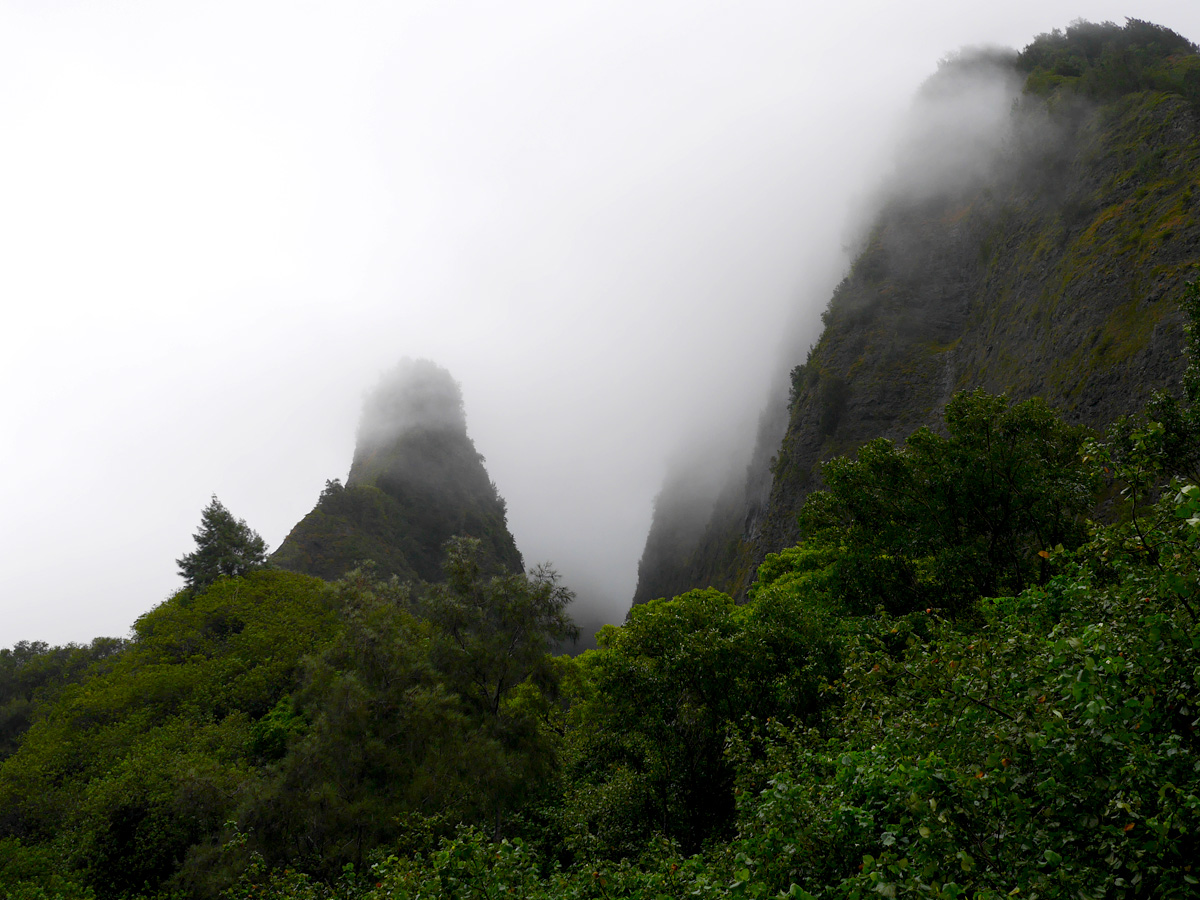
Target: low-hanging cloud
{"type": "Point", "coordinates": [957, 134]}
{"type": "Point", "coordinates": [417, 395]}
{"type": "Point", "coordinates": [956, 127]}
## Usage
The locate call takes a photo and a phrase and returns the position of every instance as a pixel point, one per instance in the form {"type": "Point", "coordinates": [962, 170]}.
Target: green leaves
{"type": "Point", "coordinates": [1187, 504]}
{"type": "Point", "coordinates": [943, 521]}
{"type": "Point", "coordinates": [668, 688]}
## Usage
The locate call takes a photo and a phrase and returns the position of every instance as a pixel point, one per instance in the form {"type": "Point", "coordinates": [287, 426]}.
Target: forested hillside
{"type": "Point", "coordinates": [951, 677]}
{"type": "Point", "coordinates": [955, 685]}
{"type": "Point", "coordinates": [1040, 258]}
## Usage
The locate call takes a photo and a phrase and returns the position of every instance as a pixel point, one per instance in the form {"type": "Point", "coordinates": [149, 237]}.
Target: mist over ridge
{"type": "Point", "coordinates": [417, 395]}
{"type": "Point", "coordinates": [1030, 240]}
{"type": "Point", "coordinates": [956, 126]}
{"type": "Point", "coordinates": [952, 139]}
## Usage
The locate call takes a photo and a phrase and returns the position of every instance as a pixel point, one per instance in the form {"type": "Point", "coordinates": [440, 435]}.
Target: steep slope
{"type": "Point", "coordinates": [416, 480]}
{"type": "Point", "coordinates": [695, 540]}
{"type": "Point", "coordinates": [1042, 258]}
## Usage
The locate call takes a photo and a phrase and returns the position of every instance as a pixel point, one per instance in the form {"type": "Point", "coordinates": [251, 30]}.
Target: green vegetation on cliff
{"type": "Point", "coordinates": [1044, 264]}
{"type": "Point", "coordinates": [1103, 61]}
{"type": "Point", "coordinates": [1015, 718]}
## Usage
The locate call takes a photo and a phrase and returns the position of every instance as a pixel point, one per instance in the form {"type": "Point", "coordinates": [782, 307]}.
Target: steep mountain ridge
{"type": "Point", "coordinates": [416, 480]}
{"type": "Point", "coordinates": [1053, 272]}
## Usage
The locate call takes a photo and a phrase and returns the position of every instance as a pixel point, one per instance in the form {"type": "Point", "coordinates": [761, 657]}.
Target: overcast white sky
{"type": "Point", "coordinates": [220, 222]}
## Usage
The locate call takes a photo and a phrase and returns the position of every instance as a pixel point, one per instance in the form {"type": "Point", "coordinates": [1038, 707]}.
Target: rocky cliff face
{"type": "Point", "coordinates": [1050, 266]}
{"type": "Point", "coordinates": [416, 480]}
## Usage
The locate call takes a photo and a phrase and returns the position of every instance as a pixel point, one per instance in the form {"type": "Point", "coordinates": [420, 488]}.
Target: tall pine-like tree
{"type": "Point", "coordinates": [224, 546]}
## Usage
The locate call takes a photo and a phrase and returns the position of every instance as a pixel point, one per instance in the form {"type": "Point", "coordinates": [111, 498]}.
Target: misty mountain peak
{"type": "Point", "coordinates": [417, 395]}
{"type": "Point", "coordinates": [416, 481]}
{"type": "Point", "coordinates": [416, 403]}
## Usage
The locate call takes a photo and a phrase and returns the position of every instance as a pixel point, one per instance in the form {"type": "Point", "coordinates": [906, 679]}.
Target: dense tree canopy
{"type": "Point", "coordinates": [649, 749]}
{"type": "Point", "coordinates": [1104, 60]}
{"type": "Point", "coordinates": [32, 673]}
{"type": "Point", "coordinates": [943, 520]}
{"type": "Point", "coordinates": [411, 718]}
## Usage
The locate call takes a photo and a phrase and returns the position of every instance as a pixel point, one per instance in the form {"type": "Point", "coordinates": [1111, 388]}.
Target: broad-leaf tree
{"type": "Point", "coordinates": [944, 520]}
{"type": "Point", "coordinates": [667, 689]}
{"type": "Point", "coordinates": [493, 640]}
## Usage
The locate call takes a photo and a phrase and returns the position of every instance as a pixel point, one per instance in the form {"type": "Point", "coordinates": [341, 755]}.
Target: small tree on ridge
{"type": "Point", "coordinates": [224, 546]}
